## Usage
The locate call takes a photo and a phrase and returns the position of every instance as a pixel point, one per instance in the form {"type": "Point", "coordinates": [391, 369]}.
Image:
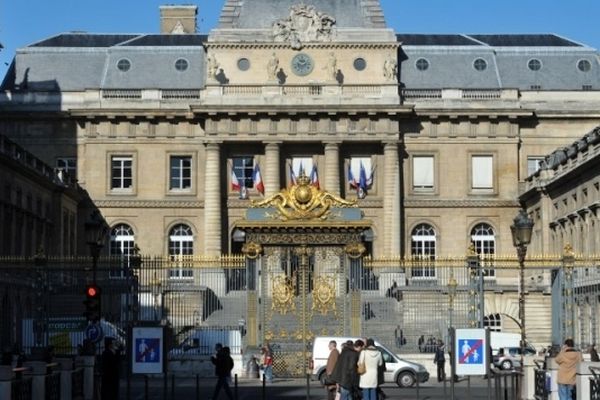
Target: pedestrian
{"type": "Point", "coordinates": [266, 362]}
{"type": "Point", "coordinates": [370, 358]}
{"type": "Point", "coordinates": [567, 361]}
{"type": "Point", "coordinates": [213, 358]}
{"type": "Point", "coordinates": [381, 380]}
{"type": "Point", "coordinates": [593, 353]}
{"type": "Point", "coordinates": [345, 373]}
{"type": "Point", "coordinates": [110, 370]}
{"type": "Point", "coordinates": [329, 382]}
{"type": "Point", "coordinates": [223, 366]}
{"type": "Point", "coordinates": [440, 360]}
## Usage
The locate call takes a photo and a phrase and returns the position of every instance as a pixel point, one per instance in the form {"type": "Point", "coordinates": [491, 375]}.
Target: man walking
{"type": "Point", "coordinates": [345, 372]}
{"type": "Point", "coordinates": [567, 361]}
{"type": "Point", "coordinates": [440, 360]}
{"type": "Point", "coordinates": [330, 384]}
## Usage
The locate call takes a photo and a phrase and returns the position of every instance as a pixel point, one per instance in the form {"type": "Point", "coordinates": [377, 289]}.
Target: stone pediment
{"type": "Point", "coordinates": [304, 202]}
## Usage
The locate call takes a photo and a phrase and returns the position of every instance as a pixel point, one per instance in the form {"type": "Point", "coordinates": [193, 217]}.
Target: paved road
{"type": "Point", "coordinates": [296, 389]}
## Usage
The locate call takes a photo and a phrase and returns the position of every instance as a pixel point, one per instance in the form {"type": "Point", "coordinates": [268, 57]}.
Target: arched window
{"type": "Point", "coordinates": [484, 240]}
{"type": "Point", "coordinates": [122, 243]}
{"type": "Point", "coordinates": [493, 321]}
{"type": "Point", "coordinates": [181, 246]}
{"type": "Point", "coordinates": [423, 248]}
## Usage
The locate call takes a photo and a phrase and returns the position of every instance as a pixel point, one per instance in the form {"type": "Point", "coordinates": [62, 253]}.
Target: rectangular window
{"type": "Point", "coordinates": [180, 177]}
{"type": "Point", "coordinates": [243, 168]}
{"type": "Point", "coordinates": [121, 176]}
{"type": "Point", "coordinates": [67, 164]}
{"type": "Point", "coordinates": [482, 170]}
{"type": "Point", "coordinates": [533, 165]}
{"type": "Point", "coordinates": [423, 172]}
{"type": "Point", "coordinates": [355, 170]}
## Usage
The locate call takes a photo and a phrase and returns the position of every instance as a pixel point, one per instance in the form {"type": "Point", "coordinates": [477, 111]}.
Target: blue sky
{"type": "Point", "coordinates": [25, 21]}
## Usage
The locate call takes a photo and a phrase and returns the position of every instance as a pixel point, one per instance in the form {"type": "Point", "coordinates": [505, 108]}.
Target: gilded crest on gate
{"type": "Point", "coordinates": [324, 294]}
{"type": "Point", "coordinates": [283, 295]}
{"type": "Point", "coordinates": [303, 201]}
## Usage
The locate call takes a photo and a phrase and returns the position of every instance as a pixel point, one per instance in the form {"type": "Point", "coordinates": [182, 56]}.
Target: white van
{"type": "Point", "coordinates": [507, 340]}
{"type": "Point", "coordinates": [403, 373]}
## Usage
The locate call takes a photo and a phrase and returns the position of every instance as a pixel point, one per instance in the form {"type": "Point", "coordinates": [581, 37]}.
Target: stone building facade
{"type": "Point", "coordinates": [433, 135]}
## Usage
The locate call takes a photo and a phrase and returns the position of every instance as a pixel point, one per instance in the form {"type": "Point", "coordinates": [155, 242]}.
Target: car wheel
{"type": "Point", "coordinates": [406, 379]}
{"type": "Point", "coordinates": [506, 365]}
{"type": "Point", "coordinates": [322, 378]}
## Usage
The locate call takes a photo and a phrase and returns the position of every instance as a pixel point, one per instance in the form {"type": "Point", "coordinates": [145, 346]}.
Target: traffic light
{"type": "Point", "coordinates": [92, 302]}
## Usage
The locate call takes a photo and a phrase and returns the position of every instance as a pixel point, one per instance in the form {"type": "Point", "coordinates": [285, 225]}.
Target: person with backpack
{"type": "Point", "coordinates": [223, 366]}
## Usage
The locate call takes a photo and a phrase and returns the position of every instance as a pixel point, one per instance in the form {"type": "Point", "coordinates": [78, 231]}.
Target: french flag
{"type": "Point", "coordinates": [362, 182]}
{"type": "Point", "coordinates": [293, 179]}
{"type": "Point", "coordinates": [351, 179]}
{"type": "Point", "coordinates": [235, 183]}
{"type": "Point", "coordinates": [314, 177]}
{"type": "Point", "coordinates": [258, 182]}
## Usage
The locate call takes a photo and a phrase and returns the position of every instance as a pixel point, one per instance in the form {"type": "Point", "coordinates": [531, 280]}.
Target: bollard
{"type": "Point", "coordinates": [87, 363]}
{"type": "Point", "coordinates": [469, 387]}
{"type": "Point", "coordinates": [173, 387]}
{"type": "Point", "coordinates": [66, 378]}
{"type": "Point", "coordinates": [445, 393]}
{"type": "Point", "coordinates": [418, 387]}
{"type": "Point", "coordinates": [146, 387]}
{"type": "Point", "coordinates": [6, 377]}
{"type": "Point", "coordinates": [165, 385]}
{"type": "Point", "coordinates": [235, 387]}
{"type": "Point", "coordinates": [37, 370]}
{"type": "Point", "coordinates": [264, 387]}
{"type": "Point", "coordinates": [197, 387]}
{"type": "Point", "coordinates": [307, 386]}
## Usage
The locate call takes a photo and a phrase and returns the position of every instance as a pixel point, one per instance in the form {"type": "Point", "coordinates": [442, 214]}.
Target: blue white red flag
{"type": "Point", "coordinates": [351, 181]}
{"type": "Point", "coordinates": [362, 181]}
{"type": "Point", "coordinates": [258, 182]}
{"type": "Point", "coordinates": [293, 179]}
{"type": "Point", "coordinates": [314, 177]}
{"type": "Point", "coordinates": [235, 183]}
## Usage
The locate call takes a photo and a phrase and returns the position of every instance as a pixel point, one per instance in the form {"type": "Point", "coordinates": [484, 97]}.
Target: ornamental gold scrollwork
{"type": "Point", "coordinates": [283, 295]}
{"type": "Point", "coordinates": [355, 250]}
{"type": "Point", "coordinates": [303, 201]}
{"type": "Point", "coordinates": [252, 250]}
{"type": "Point", "coordinates": [324, 294]}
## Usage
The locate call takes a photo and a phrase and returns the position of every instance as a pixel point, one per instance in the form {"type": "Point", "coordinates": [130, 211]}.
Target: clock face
{"type": "Point", "coordinates": [302, 64]}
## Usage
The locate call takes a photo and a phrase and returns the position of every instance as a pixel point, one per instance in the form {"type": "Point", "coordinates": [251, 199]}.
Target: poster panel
{"type": "Point", "coordinates": [147, 351]}
{"type": "Point", "coordinates": [471, 354]}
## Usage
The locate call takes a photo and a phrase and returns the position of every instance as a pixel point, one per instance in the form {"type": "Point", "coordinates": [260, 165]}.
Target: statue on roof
{"type": "Point", "coordinates": [390, 68]}
{"type": "Point", "coordinates": [304, 24]}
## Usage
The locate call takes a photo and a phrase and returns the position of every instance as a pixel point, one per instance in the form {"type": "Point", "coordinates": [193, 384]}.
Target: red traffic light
{"type": "Point", "coordinates": [92, 291]}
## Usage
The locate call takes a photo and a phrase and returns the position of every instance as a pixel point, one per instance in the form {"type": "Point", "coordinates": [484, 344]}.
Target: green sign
{"type": "Point", "coordinates": [66, 325]}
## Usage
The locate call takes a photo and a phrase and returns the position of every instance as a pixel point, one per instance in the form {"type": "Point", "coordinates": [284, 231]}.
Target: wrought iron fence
{"type": "Point", "coordinates": [21, 388]}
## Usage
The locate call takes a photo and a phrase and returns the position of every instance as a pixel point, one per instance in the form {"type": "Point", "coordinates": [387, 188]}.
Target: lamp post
{"type": "Point", "coordinates": [521, 235]}
{"type": "Point", "coordinates": [452, 284]}
{"type": "Point", "coordinates": [95, 231]}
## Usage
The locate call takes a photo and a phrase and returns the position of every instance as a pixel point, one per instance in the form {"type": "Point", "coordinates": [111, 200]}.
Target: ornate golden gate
{"type": "Point", "coordinates": [303, 242]}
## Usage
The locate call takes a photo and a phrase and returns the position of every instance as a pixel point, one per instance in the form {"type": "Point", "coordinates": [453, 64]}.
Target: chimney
{"type": "Point", "coordinates": [178, 19]}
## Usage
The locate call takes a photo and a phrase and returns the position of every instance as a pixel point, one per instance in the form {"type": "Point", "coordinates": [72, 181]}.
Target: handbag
{"type": "Point", "coordinates": [361, 368]}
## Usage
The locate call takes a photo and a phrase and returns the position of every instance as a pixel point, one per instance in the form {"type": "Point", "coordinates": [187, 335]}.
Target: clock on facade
{"type": "Point", "coordinates": [302, 64]}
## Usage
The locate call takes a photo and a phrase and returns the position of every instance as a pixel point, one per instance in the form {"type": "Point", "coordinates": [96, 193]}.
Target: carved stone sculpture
{"type": "Point", "coordinates": [304, 24]}
{"type": "Point", "coordinates": [390, 69]}
{"type": "Point", "coordinates": [212, 67]}
{"type": "Point", "coordinates": [273, 68]}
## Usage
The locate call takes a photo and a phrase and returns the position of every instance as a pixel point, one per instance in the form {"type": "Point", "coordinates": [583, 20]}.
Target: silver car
{"type": "Point", "coordinates": [508, 358]}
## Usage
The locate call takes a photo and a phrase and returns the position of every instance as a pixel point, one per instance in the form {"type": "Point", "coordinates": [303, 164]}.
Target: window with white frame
{"type": "Point", "coordinates": [482, 172]}
{"type": "Point", "coordinates": [423, 173]}
{"type": "Point", "coordinates": [121, 177]}
{"type": "Point", "coordinates": [122, 243]}
{"type": "Point", "coordinates": [423, 248]}
{"type": "Point", "coordinates": [180, 177]}
{"type": "Point", "coordinates": [533, 164]}
{"type": "Point", "coordinates": [181, 248]}
{"type": "Point", "coordinates": [243, 167]}
{"type": "Point", "coordinates": [67, 164]}
{"type": "Point", "coordinates": [484, 240]}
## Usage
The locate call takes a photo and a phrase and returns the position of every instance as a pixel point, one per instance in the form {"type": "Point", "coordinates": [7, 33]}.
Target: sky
{"type": "Point", "coordinates": [23, 22]}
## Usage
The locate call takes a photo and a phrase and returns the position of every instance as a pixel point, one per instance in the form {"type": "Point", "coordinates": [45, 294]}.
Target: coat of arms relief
{"type": "Point", "coordinates": [304, 24]}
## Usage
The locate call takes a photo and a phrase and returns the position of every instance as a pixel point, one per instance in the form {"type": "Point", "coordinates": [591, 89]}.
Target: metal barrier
{"type": "Point", "coordinates": [595, 383]}
{"type": "Point", "coordinates": [541, 389]}
{"type": "Point", "coordinates": [53, 386]}
{"type": "Point", "coordinates": [506, 384]}
{"type": "Point", "coordinates": [21, 386]}
{"type": "Point", "coordinates": [77, 383]}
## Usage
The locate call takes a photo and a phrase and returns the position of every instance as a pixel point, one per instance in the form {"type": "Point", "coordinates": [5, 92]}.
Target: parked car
{"type": "Point", "coordinates": [402, 372]}
{"type": "Point", "coordinates": [508, 358]}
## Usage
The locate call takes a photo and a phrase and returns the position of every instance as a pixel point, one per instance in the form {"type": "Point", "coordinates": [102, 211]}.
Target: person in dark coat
{"type": "Point", "coordinates": [345, 372]}
{"type": "Point", "coordinates": [110, 370]}
{"type": "Point", "coordinates": [223, 366]}
{"type": "Point", "coordinates": [440, 360]}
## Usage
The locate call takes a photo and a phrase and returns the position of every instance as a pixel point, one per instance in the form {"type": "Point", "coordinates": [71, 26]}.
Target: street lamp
{"type": "Point", "coordinates": [95, 232]}
{"type": "Point", "coordinates": [452, 284]}
{"type": "Point", "coordinates": [521, 235]}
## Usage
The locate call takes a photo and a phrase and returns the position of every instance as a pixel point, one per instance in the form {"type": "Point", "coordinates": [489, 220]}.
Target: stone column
{"type": "Point", "coordinates": [6, 377]}
{"type": "Point", "coordinates": [87, 363]}
{"type": "Point", "coordinates": [37, 371]}
{"type": "Point", "coordinates": [212, 200]}
{"type": "Point", "coordinates": [332, 168]}
{"type": "Point", "coordinates": [66, 378]}
{"type": "Point", "coordinates": [272, 173]}
{"type": "Point", "coordinates": [391, 199]}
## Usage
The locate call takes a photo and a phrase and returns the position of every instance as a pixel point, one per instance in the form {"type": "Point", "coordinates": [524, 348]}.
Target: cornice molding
{"type": "Point", "coordinates": [149, 204]}
{"type": "Point", "coordinates": [460, 203]}
{"type": "Point", "coordinates": [305, 46]}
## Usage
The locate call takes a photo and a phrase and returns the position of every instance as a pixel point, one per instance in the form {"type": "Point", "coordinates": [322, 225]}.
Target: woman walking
{"type": "Point", "coordinates": [371, 359]}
